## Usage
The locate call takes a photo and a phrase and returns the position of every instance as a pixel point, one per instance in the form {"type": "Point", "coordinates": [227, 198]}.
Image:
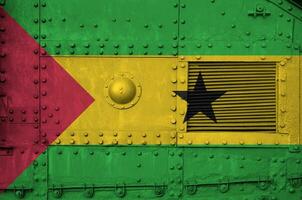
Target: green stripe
{"type": "Point", "coordinates": [156, 27]}
{"type": "Point", "coordinates": [166, 172]}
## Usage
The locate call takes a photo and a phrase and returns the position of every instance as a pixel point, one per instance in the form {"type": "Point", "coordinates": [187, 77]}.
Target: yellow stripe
{"type": "Point", "coordinates": [156, 117]}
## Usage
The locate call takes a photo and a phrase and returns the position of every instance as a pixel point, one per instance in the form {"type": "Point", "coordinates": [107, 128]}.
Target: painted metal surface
{"type": "Point", "coordinates": [131, 57]}
{"type": "Point", "coordinates": [287, 104]}
{"type": "Point", "coordinates": [215, 27]}
{"type": "Point", "coordinates": [162, 173]}
{"type": "Point", "coordinates": [166, 75]}
{"type": "Point", "coordinates": [30, 119]}
{"type": "Point", "coordinates": [172, 27]}
{"type": "Point", "coordinates": [155, 108]}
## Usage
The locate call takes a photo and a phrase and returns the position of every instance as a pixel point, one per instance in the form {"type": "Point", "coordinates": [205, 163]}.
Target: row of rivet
{"type": "Point", "coordinates": [282, 87]}
{"type": "Point", "coordinates": [83, 138]}
{"type": "Point", "coordinates": [131, 51]}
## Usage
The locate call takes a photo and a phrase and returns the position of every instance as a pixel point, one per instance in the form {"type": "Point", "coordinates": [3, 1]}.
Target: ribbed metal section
{"type": "Point", "coordinates": [249, 103]}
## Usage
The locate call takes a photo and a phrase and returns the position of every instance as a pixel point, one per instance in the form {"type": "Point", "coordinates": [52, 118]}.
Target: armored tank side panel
{"type": "Point", "coordinates": [175, 99]}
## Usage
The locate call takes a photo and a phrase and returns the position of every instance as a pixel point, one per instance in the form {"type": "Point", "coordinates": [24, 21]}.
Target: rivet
{"type": "Point", "coordinates": [288, 57]}
{"type": "Point", "coordinates": [207, 142]}
{"type": "Point", "coordinates": [198, 57]}
{"type": "Point", "coordinates": [173, 108]}
{"type": "Point", "coordinates": [173, 80]}
{"type": "Point", "coordinates": [173, 121]}
{"type": "Point", "coordinates": [241, 142]}
{"type": "Point", "coordinates": [101, 141]}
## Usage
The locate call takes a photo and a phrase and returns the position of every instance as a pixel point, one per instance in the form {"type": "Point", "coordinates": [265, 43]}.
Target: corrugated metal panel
{"type": "Point", "coordinates": [249, 103]}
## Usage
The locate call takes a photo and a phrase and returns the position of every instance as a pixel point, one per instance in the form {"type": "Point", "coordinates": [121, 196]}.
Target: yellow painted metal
{"type": "Point", "coordinates": [150, 121]}
{"type": "Point", "coordinates": [157, 116]}
{"type": "Point", "coordinates": [287, 106]}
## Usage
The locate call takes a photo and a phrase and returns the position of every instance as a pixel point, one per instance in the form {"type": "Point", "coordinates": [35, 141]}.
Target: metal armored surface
{"type": "Point", "coordinates": [175, 99]}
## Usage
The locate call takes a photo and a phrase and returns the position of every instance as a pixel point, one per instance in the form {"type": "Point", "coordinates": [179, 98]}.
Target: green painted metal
{"type": "Point", "coordinates": [155, 27]}
{"type": "Point", "coordinates": [32, 183]}
{"type": "Point", "coordinates": [268, 27]}
{"type": "Point", "coordinates": [165, 172]}
{"type": "Point", "coordinates": [110, 27]}
{"type": "Point", "coordinates": [26, 13]}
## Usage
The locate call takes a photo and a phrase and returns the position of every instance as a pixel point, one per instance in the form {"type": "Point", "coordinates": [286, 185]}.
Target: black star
{"type": "Point", "coordinates": [200, 99]}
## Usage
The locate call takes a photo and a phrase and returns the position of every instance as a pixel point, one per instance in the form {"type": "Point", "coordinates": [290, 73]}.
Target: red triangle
{"type": "Point", "coordinates": [38, 100]}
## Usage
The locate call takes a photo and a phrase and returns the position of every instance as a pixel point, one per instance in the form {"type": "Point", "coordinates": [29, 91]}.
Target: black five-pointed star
{"type": "Point", "coordinates": [200, 100]}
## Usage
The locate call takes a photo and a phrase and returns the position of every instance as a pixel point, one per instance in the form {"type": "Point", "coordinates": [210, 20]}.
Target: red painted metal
{"type": "Point", "coordinates": [33, 111]}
